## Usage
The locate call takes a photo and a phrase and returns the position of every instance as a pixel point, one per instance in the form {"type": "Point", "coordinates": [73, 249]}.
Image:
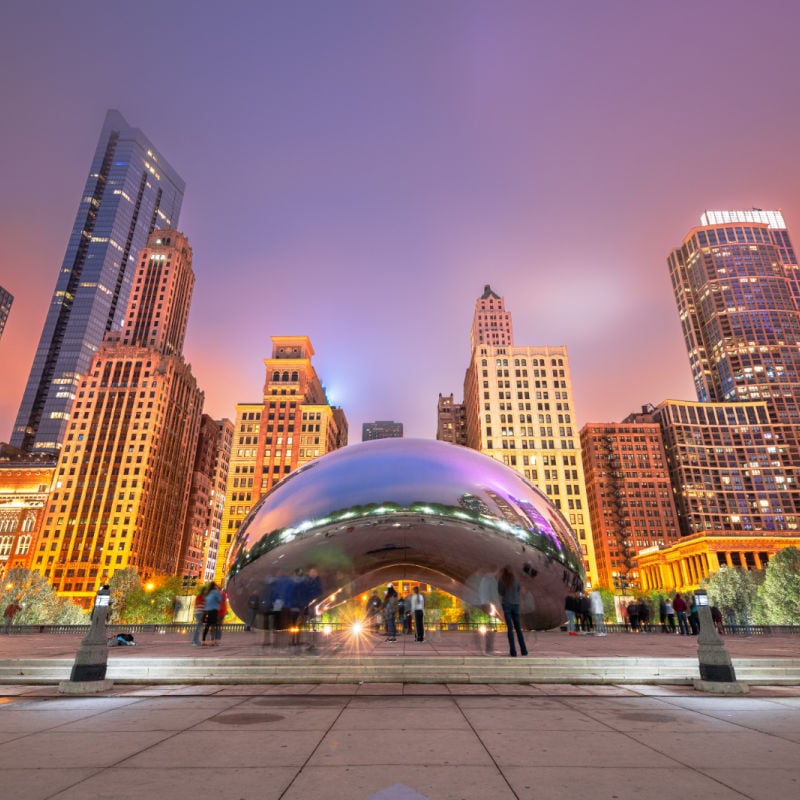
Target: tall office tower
{"type": "Point", "coordinates": [292, 425]}
{"type": "Point", "coordinates": [491, 323]}
{"type": "Point", "coordinates": [122, 482]}
{"type": "Point", "coordinates": [519, 409]}
{"type": "Point", "coordinates": [131, 191]}
{"type": "Point", "coordinates": [381, 429]}
{"type": "Point", "coordinates": [218, 485]}
{"type": "Point", "coordinates": [206, 499]}
{"type": "Point", "coordinates": [451, 423]}
{"type": "Point", "coordinates": [24, 486]}
{"type": "Point", "coordinates": [197, 527]}
{"type": "Point", "coordinates": [6, 299]}
{"type": "Point", "coordinates": [735, 281]}
{"type": "Point", "coordinates": [630, 495]}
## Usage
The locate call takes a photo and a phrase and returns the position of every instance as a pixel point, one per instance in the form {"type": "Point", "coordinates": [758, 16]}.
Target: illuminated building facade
{"type": "Point", "coordinates": [24, 486]}
{"type": "Point", "coordinates": [682, 566]}
{"type": "Point", "coordinates": [122, 480]}
{"type": "Point", "coordinates": [736, 282]}
{"type": "Point", "coordinates": [728, 469]}
{"type": "Point", "coordinates": [451, 421]}
{"type": "Point", "coordinates": [630, 496]}
{"type": "Point", "coordinates": [201, 531]}
{"type": "Point", "coordinates": [292, 425]}
{"type": "Point", "coordinates": [130, 192]}
{"type": "Point", "coordinates": [6, 299]}
{"type": "Point", "coordinates": [381, 429]}
{"type": "Point", "coordinates": [217, 500]}
{"type": "Point", "coordinates": [519, 409]}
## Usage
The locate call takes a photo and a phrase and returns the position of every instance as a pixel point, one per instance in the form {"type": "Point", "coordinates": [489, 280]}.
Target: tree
{"type": "Point", "coordinates": [733, 590]}
{"type": "Point", "coordinates": [780, 592]}
{"type": "Point", "coordinates": [123, 583]}
{"type": "Point", "coordinates": [40, 605]}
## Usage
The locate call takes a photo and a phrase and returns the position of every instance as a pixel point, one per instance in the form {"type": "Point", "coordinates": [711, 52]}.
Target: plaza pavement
{"type": "Point", "coordinates": [398, 741]}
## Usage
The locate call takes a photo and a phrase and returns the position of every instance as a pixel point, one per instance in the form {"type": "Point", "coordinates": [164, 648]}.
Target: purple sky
{"type": "Point", "coordinates": [356, 172]}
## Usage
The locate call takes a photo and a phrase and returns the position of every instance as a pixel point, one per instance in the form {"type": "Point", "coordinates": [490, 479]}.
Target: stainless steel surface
{"type": "Point", "coordinates": [414, 509]}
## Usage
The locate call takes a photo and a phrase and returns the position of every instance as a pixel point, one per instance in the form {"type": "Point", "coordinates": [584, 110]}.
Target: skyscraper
{"type": "Point", "coordinates": [292, 425]}
{"type": "Point", "coordinates": [735, 279]}
{"type": "Point", "coordinates": [6, 299]}
{"type": "Point", "coordinates": [519, 409]}
{"type": "Point", "coordinates": [381, 429]}
{"type": "Point", "coordinates": [122, 481]}
{"type": "Point", "coordinates": [130, 192]}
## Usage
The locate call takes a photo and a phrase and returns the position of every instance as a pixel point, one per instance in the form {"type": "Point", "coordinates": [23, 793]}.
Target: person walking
{"type": "Point", "coordinates": [213, 602]}
{"type": "Point", "coordinates": [598, 612]}
{"type": "Point", "coordinates": [417, 605]}
{"type": "Point", "coordinates": [508, 589]}
{"type": "Point", "coordinates": [8, 616]}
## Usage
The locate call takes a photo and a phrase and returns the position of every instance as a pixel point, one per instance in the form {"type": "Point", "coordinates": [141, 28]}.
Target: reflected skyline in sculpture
{"type": "Point", "coordinates": [409, 509]}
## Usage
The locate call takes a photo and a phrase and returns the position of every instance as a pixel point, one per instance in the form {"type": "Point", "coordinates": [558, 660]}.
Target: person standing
{"type": "Point", "coordinates": [417, 604]}
{"type": "Point", "coordinates": [679, 604]}
{"type": "Point", "coordinates": [213, 602]}
{"type": "Point", "coordinates": [8, 616]}
{"type": "Point", "coordinates": [222, 612]}
{"type": "Point", "coordinates": [508, 589]}
{"type": "Point", "coordinates": [199, 614]}
{"type": "Point", "coordinates": [390, 614]}
{"type": "Point", "coordinates": [570, 603]}
{"type": "Point", "coordinates": [598, 612]}
{"type": "Point", "coordinates": [670, 612]}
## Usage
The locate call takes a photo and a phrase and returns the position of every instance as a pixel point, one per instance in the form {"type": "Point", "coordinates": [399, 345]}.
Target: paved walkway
{"type": "Point", "coordinates": [399, 741]}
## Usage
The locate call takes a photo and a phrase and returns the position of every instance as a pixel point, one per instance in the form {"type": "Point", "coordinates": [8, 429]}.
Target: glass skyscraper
{"type": "Point", "coordinates": [131, 191]}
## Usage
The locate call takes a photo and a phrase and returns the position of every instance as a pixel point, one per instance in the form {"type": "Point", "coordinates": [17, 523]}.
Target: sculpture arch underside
{"type": "Point", "coordinates": [452, 519]}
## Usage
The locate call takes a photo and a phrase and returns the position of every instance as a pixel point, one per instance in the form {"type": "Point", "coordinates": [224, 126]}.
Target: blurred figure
{"type": "Point", "coordinates": [598, 612]}
{"type": "Point", "coordinates": [508, 589]}
{"type": "Point", "coordinates": [670, 611]}
{"type": "Point", "coordinates": [213, 602]}
{"type": "Point", "coordinates": [199, 614]}
{"type": "Point", "coordinates": [374, 606]}
{"type": "Point", "coordinates": [222, 612]}
{"type": "Point", "coordinates": [570, 608]}
{"type": "Point", "coordinates": [8, 616]}
{"type": "Point", "coordinates": [390, 614]}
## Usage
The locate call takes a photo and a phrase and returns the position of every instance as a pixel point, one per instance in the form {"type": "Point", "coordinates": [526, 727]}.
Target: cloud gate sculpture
{"type": "Point", "coordinates": [408, 509]}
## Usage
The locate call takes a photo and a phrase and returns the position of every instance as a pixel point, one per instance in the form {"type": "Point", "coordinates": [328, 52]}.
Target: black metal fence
{"type": "Point", "coordinates": [188, 627]}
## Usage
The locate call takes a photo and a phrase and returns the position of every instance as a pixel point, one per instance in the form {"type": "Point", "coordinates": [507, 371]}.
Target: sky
{"type": "Point", "coordinates": [357, 171]}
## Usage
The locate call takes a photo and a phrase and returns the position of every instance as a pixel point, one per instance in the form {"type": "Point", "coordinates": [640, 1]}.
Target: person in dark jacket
{"type": "Point", "coordinates": [508, 589]}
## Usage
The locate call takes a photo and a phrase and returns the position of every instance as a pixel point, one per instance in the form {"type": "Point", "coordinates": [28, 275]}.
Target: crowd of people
{"type": "Point", "coordinates": [678, 614]}
{"type": "Point", "coordinates": [394, 609]}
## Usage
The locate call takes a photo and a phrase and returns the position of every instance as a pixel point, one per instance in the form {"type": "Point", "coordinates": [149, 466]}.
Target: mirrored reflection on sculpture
{"type": "Point", "coordinates": [406, 509]}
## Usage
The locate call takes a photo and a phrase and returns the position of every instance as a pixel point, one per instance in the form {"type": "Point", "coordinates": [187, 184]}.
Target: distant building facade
{"type": "Point", "coordinates": [519, 409]}
{"type": "Point", "coordinates": [131, 191]}
{"type": "Point", "coordinates": [630, 496]}
{"type": "Point", "coordinates": [381, 429]}
{"type": "Point", "coordinates": [6, 299]}
{"type": "Point", "coordinates": [451, 420]}
{"type": "Point", "coordinates": [25, 481]}
{"type": "Point", "coordinates": [122, 482]}
{"type": "Point", "coordinates": [293, 424]}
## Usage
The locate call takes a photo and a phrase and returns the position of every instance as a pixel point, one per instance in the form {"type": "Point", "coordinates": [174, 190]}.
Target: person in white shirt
{"type": "Point", "coordinates": [596, 600]}
{"type": "Point", "coordinates": [418, 610]}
